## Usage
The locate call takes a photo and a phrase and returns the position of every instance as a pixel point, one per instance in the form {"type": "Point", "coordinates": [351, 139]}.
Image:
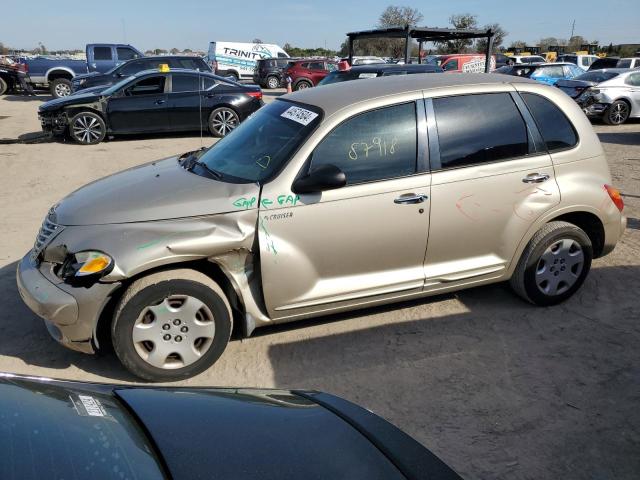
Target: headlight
{"type": "Point", "coordinates": [85, 268]}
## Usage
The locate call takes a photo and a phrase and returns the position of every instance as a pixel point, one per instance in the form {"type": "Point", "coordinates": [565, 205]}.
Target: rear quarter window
{"type": "Point", "coordinates": [102, 53]}
{"type": "Point", "coordinates": [556, 129]}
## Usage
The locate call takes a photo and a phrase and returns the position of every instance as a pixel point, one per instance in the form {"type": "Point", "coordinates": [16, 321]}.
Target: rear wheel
{"type": "Point", "coordinates": [222, 121]}
{"type": "Point", "coordinates": [171, 325]}
{"type": "Point", "coordinates": [87, 128]}
{"type": "Point", "coordinates": [3, 86]}
{"type": "Point", "coordinates": [302, 84]}
{"type": "Point", "coordinates": [61, 87]}
{"type": "Point", "coordinates": [554, 264]}
{"type": "Point", "coordinates": [232, 76]}
{"type": "Point", "coordinates": [617, 113]}
{"type": "Point", "coordinates": [273, 82]}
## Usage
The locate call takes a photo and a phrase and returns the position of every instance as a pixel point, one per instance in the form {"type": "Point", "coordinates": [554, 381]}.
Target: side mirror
{"type": "Point", "coordinates": [120, 74]}
{"type": "Point", "coordinates": [325, 177]}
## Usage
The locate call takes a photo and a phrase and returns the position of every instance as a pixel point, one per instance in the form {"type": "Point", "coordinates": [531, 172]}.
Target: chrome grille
{"type": "Point", "coordinates": [47, 232]}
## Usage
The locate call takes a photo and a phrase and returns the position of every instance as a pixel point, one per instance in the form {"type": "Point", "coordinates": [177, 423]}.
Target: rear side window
{"type": "Point", "coordinates": [125, 53]}
{"type": "Point", "coordinates": [451, 65]}
{"type": "Point", "coordinates": [102, 53]}
{"type": "Point", "coordinates": [376, 145]}
{"type": "Point", "coordinates": [633, 79]}
{"type": "Point", "coordinates": [555, 128]}
{"type": "Point", "coordinates": [132, 67]}
{"type": "Point", "coordinates": [624, 64]}
{"type": "Point", "coordinates": [476, 129]}
{"type": "Point", "coordinates": [316, 66]}
{"type": "Point", "coordinates": [184, 83]}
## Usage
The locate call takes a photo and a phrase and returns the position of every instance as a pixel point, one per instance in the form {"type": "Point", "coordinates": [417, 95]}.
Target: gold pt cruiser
{"type": "Point", "coordinates": [330, 199]}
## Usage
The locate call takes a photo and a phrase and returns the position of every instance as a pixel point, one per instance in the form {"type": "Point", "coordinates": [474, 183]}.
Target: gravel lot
{"type": "Point", "coordinates": [495, 387]}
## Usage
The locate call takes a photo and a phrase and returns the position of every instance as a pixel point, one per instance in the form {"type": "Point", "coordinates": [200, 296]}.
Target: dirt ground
{"type": "Point", "coordinates": [495, 387]}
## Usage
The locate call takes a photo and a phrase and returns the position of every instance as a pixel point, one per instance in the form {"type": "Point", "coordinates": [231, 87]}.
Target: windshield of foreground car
{"type": "Point", "coordinates": [344, 76]}
{"type": "Point", "coordinates": [116, 86]}
{"type": "Point", "coordinates": [597, 76]}
{"type": "Point", "coordinates": [47, 431]}
{"type": "Point", "coordinates": [262, 144]}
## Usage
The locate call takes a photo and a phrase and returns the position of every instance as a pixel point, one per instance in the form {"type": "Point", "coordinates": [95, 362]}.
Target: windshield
{"type": "Point", "coordinates": [116, 86]}
{"type": "Point", "coordinates": [263, 143]}
{"type": "Point", "coordinates": [597, 76]}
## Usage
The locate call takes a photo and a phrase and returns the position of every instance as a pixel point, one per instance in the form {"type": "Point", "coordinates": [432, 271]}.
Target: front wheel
{"type": "Point", "coordinates": [171, 325]}
{"type": "Point", "coordinates": [554, 264]}
{"type": "Point", "coordinates": [222, 121]}
{"type": "Point", "coordinates": [3, 86]}
{"type": "Point", "coordinates": [87, 128]}
{"type": "Point", "coordinates": [61, 87]}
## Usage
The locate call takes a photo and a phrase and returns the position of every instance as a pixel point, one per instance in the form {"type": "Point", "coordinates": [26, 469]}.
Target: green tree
{"type": "Point", "coordinates": [498, 37]}
{"type": "Point", "coordinates": [464, 21]}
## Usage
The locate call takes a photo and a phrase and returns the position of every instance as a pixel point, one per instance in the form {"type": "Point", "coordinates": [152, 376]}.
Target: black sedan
{"type": "Point", "coordinates": [131, 67]}
{"type": "Point", "coordinates": [71, 430]}
{"type": "Point", "coordinates": [152, 102]}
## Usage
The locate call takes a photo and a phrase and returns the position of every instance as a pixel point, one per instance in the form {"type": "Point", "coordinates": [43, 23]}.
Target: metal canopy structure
{"type": "Point", "coordinates": [421, 35]}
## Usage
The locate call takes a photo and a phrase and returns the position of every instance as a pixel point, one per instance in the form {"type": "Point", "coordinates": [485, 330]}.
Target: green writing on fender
{"type": "Point", "coordinates": [265, 202]}
{"type": "Point", "coordinates": [244, 202]}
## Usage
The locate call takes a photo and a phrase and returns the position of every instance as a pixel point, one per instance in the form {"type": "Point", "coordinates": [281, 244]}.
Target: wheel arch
{"type": "Point", "coordinates": [59, 72]}
{"type": "Point", "coordinates": [582, 216]}
{"type": "Point", "coordinates": [102, 329]}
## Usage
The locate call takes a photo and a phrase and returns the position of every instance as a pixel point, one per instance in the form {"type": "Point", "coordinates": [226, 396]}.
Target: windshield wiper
{"type": "Point", "coordinates": [210, 170]}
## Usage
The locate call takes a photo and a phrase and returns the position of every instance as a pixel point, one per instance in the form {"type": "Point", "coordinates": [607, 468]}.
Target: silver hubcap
{"type": "Point", "coordinates": [224, 121]}
{"type": "Point", "coordinates": [559, 267]}
{"type": "Point", "coordinates": [175, 333]}
{"type": "Point", "coordinates": [273, 82]}
{"type": "Point", "coordinates": [63, 90]}
{"type": "Point", "coordinates": [619, 112]}
{"type": "Point", "coordinates": [303, 85]}
{"type": "Point", "coordinates": [87, 129]}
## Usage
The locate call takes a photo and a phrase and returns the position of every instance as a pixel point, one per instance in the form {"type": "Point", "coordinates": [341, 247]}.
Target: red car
{"type": "Point", "coordinates": [307, 73]}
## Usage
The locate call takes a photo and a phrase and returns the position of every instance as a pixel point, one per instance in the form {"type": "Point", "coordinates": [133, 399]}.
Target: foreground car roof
{"type": "Point", "coordinates": [198, 433]}
{"type": "Point", "coordinates": [337, 96]}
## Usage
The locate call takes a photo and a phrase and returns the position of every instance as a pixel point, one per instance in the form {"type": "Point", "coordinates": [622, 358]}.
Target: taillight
{"type": "Point", "coordinates": [615, 196]}
{"type": "Point", "coordinates": [257, 94]}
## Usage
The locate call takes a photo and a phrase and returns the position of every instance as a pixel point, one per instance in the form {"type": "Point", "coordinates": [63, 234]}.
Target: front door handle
{"type": "Point", "coordinates": [159, 102]}
{"type": "Point", "coordinates": [536, 178]}
{"type": "Point", "coordinates": [409, 198]}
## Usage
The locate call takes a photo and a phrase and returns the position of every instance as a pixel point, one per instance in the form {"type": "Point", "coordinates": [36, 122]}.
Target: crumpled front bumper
{"type": "Point", "coordinates": [71, 314]}
{"type": "Point", "coordinates": [53, 123]}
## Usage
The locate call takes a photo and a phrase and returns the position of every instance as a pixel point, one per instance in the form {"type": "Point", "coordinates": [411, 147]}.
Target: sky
{"type": "Point", "coordinates": [193, 24]}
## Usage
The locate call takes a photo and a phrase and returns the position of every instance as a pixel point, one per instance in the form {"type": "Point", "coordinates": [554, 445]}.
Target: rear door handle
{"type": "Point", "coordinates": [409, 198]}
{"type": "Point", "coordinates": [160, 102]}
{"type": "Point", "coordinates": [536, 178]}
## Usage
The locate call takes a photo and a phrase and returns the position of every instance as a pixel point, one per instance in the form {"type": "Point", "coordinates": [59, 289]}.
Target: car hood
{"type": "Point", "coordinates": [77, 99]}
{"type": "Point", "coordinates": [93, 90]}
{"type": "Point", "coordinates": [159, 190]}
{"type": "Point", "coordinates": [88, 75]}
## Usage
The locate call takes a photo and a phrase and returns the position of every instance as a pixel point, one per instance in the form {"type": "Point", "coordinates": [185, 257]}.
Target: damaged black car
{"type": "Point", "coordinates": [152, 102]}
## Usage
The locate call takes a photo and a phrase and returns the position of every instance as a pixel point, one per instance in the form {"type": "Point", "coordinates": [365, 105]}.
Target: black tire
{"type": "Point", "coordinates": [3, 86]}
{"type": "Point", "coordinates": [233, 76]}
{"type": "Point", "coordinates": [152, 291]}
{"type": "Point", "coordinates": [529, 280]}
{"type": "Point", "coordinates": [87, 128]}
{"type": "Point", "coordinates": [272, 82]}
{"type": "Point", "coordinates": [61, 87]}
{"type": "Point", "coordinates": [302, 84]}
{"type": "Point", "coordinates": [222, 121]}
{"type": "Point", "coordinates": [617, 113]}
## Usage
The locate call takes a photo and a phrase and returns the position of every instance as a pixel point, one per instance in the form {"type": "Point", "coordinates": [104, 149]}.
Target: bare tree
{"type": "Point", "coordinates": [394, 16]}
{"type": "Point", "coordinates": [257, 40]}
{"type": "Point", "coordinates": [174, 51]}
